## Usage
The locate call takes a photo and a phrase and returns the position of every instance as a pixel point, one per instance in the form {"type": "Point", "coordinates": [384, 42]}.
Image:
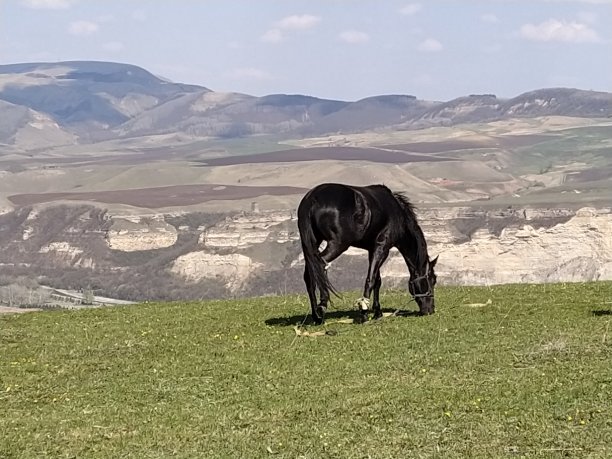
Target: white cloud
{"type": "Point", "coordinates": [235, 45]}
{"type": "Point", "coordinates": [354, 37]}
{"type": "Point", "coordinates": [588, 17]}
{"type": "Point", "coordinates": [288, 24]}
{"type": "Point", "coordinates": [416, 31]}
{"type": "Point", "coordinates": [563, 31]}
{"type": "Point", "coordinates": [41, 56]}
{"type": "Point", "coordinates": [430, 45]}
{"type": "Point", "coordinates": [272, 36]}
{"type": "Point", "coordinates": [250, 73]}
{"type": "Point", "coordinates": [492, 48]}
{"type": "Point", "coordinates": [82, 28]}
{"type": "Point", "coordinates": [490, 18]}
{"type": "Point", "coordinates": [298, 22]}
{"type": "Point", "coordinates": [423, 79]}
{"type": "Point", "coordinates": [113, 46]}
{"type": "Point", "coordinates": [139, 15]}
{"type": "Point", "coordinates": [564, 81]}
{"type": "Point", "coordinates": [48, 4]}
{"type": "Point", "coordinates": [410, 9]}
{"type": "Point", "coordinates": [105, 18]}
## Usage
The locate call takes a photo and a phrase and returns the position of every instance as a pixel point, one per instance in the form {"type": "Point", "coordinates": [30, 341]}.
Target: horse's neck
{"type": "Point", "coordinates": [414, 250]}
{"type": "Point", "coordinates": [415, 266]}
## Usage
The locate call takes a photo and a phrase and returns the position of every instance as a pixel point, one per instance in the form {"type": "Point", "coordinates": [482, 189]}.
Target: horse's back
{"type": "Point", "coordinates": [325, 198]}
{"type": "Point", "coordinates": [347, 198]}
{"type": "Point", "coordinates": [338, 193]}
{"type": "Point", "coordinates": [328, 208]}
{"type": "Point", "coordinates": [355, 212]}
{"type": "Point", "coordinates": [331, 197]}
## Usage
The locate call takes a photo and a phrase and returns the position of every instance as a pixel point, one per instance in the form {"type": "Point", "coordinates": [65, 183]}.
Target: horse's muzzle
{"type": "Point", "coordinates": [427, 307]}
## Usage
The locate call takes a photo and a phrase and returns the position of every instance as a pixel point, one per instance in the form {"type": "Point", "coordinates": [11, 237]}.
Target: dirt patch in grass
{"type": "Point", "coordinates": [325, 153]}
{"type": "Point", "coordinates": [590, 175]}
{"type": "Point", "coordinates": [167, 196]}
{"type": "Point", "coordinates": [441, 146]}
{"type": "Point", "coordinates": [11, 310]}
{"type": "Point", "coordinates": [516, 141]}
{"type": "Point", "coordinates": [509, 141]}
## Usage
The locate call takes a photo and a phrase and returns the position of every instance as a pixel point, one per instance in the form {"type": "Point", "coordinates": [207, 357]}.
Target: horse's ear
{"type": "Point", "coordinates": [433, 262]}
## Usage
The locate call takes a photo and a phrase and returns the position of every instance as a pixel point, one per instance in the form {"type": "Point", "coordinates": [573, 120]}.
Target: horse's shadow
{"type": "Point", "coordinates": [304, 319]}
{"type": "Point", "coordinates": [602, 312]}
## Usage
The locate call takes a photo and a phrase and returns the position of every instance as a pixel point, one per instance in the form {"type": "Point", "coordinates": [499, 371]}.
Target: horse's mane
{"type": "Point", "coordinates": [414, 231]}
{"type": "Point", "coordinates": [406, 205]}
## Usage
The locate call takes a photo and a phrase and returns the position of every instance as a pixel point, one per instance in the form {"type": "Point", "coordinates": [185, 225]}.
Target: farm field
{"type": "Point", "coordinates": [159, 196]}
{"type": "Point", "coordinates": [541, 161]}
{"type": "Point", "coordinates": [508, 371]}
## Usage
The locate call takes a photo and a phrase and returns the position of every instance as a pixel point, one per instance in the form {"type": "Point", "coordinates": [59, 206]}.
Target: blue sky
{"type": "Point", "coordinates": [338, 49]}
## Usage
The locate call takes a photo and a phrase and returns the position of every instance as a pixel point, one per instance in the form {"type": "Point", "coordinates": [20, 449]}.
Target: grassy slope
{"type": "Point", "coordinates": [528, 375]}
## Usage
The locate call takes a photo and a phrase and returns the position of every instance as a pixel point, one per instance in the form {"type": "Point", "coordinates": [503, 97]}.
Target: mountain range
{"type": "Point", "coordinates": [83, 102]}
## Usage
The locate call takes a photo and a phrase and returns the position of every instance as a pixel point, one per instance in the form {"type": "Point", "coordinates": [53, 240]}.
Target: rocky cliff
{"type": "Point", "coordinates": [176, 256]}
{"type": "Point", "coordinates": [475, 247]}
{"type": "Point", "coordinates": [528, 250]}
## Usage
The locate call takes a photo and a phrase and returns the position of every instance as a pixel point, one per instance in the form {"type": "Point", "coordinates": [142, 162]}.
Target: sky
{"type": "Point", "coordinates": [333, 49]}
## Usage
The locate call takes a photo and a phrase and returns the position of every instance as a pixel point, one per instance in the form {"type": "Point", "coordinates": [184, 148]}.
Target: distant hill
{"type": "Point", "coordinates": [87, 98]}
{"type": "Point", "coordinates": [79, 102]}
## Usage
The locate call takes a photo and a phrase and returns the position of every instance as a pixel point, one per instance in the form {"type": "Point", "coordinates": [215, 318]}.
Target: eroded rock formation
{"type": "Point", "coordinates": [476, 247]}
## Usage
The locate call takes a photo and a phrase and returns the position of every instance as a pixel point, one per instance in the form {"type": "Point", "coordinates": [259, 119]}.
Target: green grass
{"type": "Point", "coordinates": [528, 375]}
{"type": "Point", "coordinates": [249, 145]}
{"type": "Point", "coordinates": [576, 145]}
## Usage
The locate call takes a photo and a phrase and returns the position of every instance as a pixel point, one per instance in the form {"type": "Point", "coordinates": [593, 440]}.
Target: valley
{"type": "Point", "coordinates": [191, 193]}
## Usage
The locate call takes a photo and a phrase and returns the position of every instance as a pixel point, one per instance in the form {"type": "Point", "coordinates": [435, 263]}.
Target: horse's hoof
{"type": "Point", "coordinates": [362, 303]}
{"type": "Point", "coordinates": [317, 320]}
{"type": "Point", "coordinates": [378, 315]}
{"type": "Point", "coordinates": [319, 316]}
{"type": "Point", "coordinates": [361, 319]}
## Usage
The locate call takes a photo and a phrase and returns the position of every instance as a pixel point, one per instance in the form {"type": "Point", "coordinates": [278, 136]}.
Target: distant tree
{"type": "Point", "coordinates": [88, 296]}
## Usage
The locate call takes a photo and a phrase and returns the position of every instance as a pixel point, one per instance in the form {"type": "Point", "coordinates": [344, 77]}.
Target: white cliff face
{"type": "Point", "coordinates": [578, 250]}
{"type": "Point", "coordinates": [61, 247]}
{"type": "Point", "coordinates": [28, 230]}
{"type": "Point", "coordinates": [69, 254]}
{"type": "Point", "coordinates": [247, 230]}
{"type": "Point", "coordinates": [134, 234]}
{"type": "Point", "coordinates": [512, 248]}
{"type": "Point", "coordinates": [233, 270]}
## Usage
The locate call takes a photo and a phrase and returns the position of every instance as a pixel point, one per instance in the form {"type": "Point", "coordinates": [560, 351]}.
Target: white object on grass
{"type": "Point", "coordinates": [363, 303]}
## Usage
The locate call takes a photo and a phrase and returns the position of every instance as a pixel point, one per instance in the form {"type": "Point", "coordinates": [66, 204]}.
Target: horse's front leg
{"type": "Point", "coordinates": [363, 303]}
{"type": "Point", "coordinates": [372, 283]}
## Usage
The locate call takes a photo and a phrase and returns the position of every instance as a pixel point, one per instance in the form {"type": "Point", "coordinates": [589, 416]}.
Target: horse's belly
{"type": "Point", "coordinates": [365, 245]}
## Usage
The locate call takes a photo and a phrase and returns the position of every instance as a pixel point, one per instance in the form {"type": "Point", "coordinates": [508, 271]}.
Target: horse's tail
{"type": "Point", "coordinates": [312, 259]}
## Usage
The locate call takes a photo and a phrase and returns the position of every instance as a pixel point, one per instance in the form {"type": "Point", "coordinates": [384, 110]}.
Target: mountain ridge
{"type": "Point", "coordinates": [89, 101]}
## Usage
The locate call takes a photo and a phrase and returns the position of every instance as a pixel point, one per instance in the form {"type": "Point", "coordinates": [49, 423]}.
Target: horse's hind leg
{"type": "Point", "coordinates": [332, 251]}
{"type": "Point", "coordinates": [312, 296]}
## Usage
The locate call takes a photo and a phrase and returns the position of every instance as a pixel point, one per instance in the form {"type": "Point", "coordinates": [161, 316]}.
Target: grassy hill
{"type": "Point", "coordinates": [526, 374]}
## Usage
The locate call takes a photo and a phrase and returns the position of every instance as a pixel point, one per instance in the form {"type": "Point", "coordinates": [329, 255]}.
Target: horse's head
{"type": "Point", "coordinates": [421, 287]}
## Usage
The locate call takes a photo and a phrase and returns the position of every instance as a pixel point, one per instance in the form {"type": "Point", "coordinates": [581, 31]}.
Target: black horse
{"type": "Point", "coordinates": [371, 218]}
